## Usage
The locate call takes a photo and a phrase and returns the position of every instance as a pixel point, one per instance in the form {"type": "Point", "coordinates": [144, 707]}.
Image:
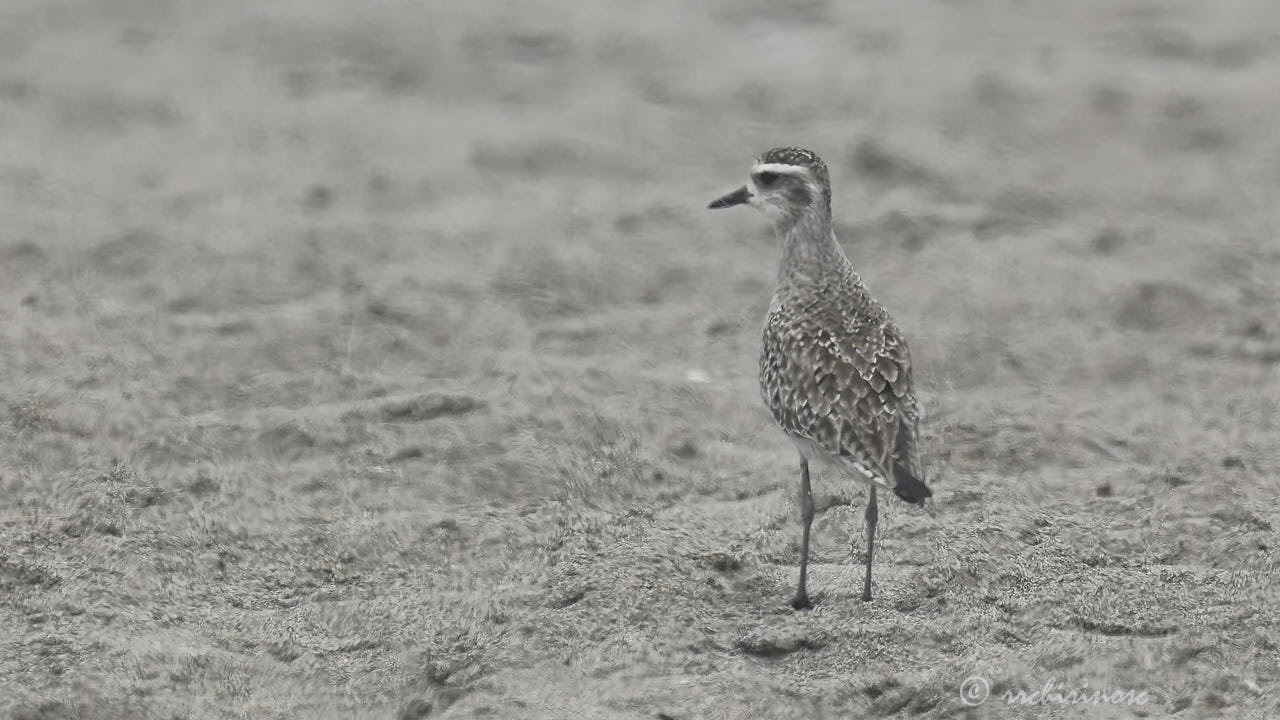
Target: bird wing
{"type": "Point", "coordinates": [841, 379]}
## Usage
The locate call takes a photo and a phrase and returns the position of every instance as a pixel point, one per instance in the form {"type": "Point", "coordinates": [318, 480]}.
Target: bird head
{"type": "Point", "coordinates": [785, 183]}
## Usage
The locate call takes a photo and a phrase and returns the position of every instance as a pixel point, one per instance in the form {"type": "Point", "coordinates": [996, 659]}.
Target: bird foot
{"type": "Point", "coordinates": [801, 602]}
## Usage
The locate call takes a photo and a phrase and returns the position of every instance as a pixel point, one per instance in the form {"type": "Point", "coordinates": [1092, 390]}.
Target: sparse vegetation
{"type": "Point", "coordinates": [378, 359]}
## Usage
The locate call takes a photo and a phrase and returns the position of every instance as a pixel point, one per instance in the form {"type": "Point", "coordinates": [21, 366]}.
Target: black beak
{"type": "Point", "coordinates": [737, 197]}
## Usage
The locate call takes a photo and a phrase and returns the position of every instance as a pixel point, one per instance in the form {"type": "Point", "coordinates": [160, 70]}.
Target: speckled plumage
{"type": "Point", "coordinates": [835, 370]}
{"type": "Point", "coordinates": [836, 375]}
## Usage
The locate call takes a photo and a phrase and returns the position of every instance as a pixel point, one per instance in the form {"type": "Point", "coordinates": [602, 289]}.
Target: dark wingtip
{"type": "Point", "coordinates": [908, 487]}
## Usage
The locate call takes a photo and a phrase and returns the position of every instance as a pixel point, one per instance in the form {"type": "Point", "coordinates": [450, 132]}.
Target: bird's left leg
{"type": "Point", "coordinates": [801, 599]}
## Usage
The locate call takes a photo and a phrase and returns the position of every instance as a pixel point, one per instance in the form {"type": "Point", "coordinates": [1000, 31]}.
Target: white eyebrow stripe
{"type": "Point", "coordinates": [781, 169]}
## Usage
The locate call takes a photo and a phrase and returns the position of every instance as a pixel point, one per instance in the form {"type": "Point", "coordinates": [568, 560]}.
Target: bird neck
{"type": "Point", "coordinates": [809, 248]}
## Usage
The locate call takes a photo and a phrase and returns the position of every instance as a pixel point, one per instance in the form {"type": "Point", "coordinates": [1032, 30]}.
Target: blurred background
{"type": "Point", "coordinates": [382, 359]}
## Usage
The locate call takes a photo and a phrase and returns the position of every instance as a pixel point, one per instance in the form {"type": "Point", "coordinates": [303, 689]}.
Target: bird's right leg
{"type": "Point", "coordinates": [801, 600]}
{"type": "Point", "coordinates": [872, 515]}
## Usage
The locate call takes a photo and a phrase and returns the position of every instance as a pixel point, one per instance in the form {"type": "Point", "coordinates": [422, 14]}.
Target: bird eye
{"type": "Point", "coordinates": [767, 178]}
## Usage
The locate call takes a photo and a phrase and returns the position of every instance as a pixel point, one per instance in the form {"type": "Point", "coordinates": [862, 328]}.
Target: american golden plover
{"type": "Point", "coordinates": [835, 371]}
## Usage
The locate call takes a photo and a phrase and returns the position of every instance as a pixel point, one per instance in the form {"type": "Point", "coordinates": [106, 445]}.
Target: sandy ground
{"type": "Point", "coordinates": [379, 360]}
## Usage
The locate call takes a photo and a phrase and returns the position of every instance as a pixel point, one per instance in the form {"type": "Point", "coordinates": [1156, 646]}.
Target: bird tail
{"type": "Point", "coordinates": [908, 487]}
{"type": "Point", "coordinates": [904, 484]}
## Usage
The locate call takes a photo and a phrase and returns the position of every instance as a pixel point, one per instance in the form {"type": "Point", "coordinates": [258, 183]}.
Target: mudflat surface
{"type": "Point", "coordinates": [379, 360]}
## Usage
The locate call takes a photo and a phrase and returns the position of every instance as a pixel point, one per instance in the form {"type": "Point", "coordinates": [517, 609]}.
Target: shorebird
{"type": "Point", "coordinates": [835, 370]}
